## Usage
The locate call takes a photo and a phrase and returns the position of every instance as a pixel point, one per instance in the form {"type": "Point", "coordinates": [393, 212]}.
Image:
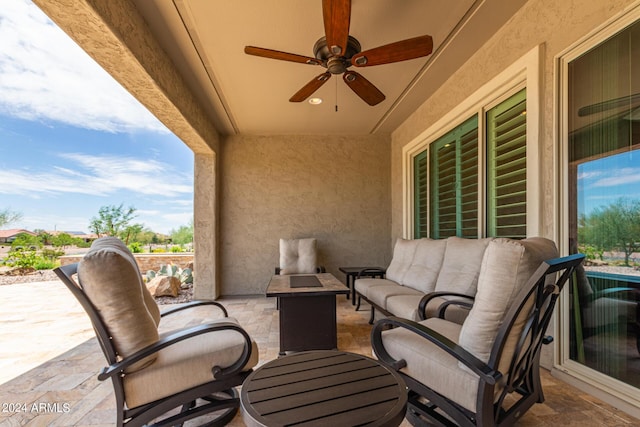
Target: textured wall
{"type": "Point", "coordinates": [334, 188]}
{"type": "Point", "coordinates": [557, 25]}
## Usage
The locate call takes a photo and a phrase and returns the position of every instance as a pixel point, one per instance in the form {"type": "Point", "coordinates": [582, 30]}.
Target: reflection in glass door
{"type": "Point", "coordinates": [604, 206]}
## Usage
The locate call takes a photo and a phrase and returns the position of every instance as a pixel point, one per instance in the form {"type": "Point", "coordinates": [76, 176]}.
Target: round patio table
{"type": "Point", "coordinates": [323, 388]}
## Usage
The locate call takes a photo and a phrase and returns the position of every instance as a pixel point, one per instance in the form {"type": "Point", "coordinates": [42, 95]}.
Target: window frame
{"type": "Point", "coordinates": [607, 388]}
{"type": "Point", "coordinates": [523, 73]}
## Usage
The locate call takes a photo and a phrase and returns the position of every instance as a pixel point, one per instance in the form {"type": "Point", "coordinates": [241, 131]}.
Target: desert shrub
{"type": "Point", "coordinates": [21, 258]}
{"type": "Point", "coordinates": [51, 254]}
{"type": "Point", "coordinates": [135, 247]}
{"type": "Point", "coordinates": [41, 263]}
{"type": "Point", "coordinates": [176, 249]}
{"type": "Point", "coordinates": [158, 250]}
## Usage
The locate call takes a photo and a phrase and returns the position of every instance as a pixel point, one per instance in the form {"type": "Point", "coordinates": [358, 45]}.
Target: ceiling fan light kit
{"type": "Point", "coordinates": [337, 51]}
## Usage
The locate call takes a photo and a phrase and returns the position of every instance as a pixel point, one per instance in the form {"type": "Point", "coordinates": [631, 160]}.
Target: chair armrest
{"type": "Point", "coordinates": [371, 272]}
{"type": "Point", "coordinates": [192, 304]}
{"type": "Point", "coordinates": [612, 292]}
{"type": "Point", "coordinates": [484, 371]}
{"type": "Point", "coordinates": [218, 372]}
{"type": "Point", "coordinates": [422, 307]}
{"type": "Point", "coordinates": [321, 269]}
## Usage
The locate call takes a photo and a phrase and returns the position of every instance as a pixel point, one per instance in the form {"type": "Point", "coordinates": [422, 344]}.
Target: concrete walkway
{"type": "Point", "coordinates": [38, 321]}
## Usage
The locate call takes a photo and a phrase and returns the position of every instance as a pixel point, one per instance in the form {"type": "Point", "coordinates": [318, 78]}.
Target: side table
{"type": "Point", "coordinates": [323, 388]}
{"type": "Point", "coordinates": [353, 272]}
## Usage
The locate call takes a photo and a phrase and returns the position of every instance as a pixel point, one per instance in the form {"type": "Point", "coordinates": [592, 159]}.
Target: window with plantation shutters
{"type": "Point", "coordinates": [421, 196]}
{"type": "Point", "coordinates": [454, 183]}
{"type": "Point", "coordinates": [507, 168]}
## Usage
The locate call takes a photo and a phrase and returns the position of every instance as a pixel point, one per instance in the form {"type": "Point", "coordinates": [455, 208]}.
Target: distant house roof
{"type": "Point", "coordinates": [5, 234]}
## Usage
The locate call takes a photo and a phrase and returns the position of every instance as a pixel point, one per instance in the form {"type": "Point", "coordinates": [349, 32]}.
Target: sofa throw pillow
{"type": "Point", "coordinates": [427, 261]}
{"type": "Point", "coordinates": [114, 287]}
{"type": "Point", "coordinates": [461, 265]}
{"type": "Point", "coordinates": [298, 256]}
{"type": "Point", "coordinates": [403, 252]}
{"type": "Point", "coordinates": [506, 267]}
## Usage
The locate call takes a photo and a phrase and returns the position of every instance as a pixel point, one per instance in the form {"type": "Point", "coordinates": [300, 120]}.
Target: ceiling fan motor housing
{"type": "Point", "coordinates": [334, 63]}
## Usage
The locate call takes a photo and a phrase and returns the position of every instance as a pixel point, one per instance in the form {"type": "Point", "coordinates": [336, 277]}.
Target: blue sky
{"type": "Point", "coordinates": [603, 181]}
{"type": "Point", "coordinates": [73, 140]}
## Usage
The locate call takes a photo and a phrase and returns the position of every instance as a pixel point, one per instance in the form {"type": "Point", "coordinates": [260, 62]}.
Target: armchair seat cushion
{"type": "Point", "coordinates": [186, 364]}
{"type": "Point", "coordinates": [431, 365]}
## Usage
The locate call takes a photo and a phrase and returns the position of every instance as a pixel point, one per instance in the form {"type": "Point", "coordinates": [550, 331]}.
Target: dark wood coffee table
{"type": "Point", "coordinates": [323, 388]}
{"type": "Point", "coordinates": [307, 304]}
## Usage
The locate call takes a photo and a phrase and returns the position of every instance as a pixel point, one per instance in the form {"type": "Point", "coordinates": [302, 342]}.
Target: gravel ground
{"type": "Point", "coordinates": [48, 275]}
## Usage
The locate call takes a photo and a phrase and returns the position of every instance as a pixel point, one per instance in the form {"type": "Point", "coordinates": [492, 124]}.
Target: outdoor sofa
{"type": "Point", "coordinates": [437, 277]}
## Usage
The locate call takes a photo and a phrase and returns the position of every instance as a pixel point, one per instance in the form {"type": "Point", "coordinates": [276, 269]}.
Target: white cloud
{"type": "Point", "coordinates": [99, 175]}
{"type": "Point", "coordinates": [45, 76]}
{"type": "Point", "coordinates": [622, 177]}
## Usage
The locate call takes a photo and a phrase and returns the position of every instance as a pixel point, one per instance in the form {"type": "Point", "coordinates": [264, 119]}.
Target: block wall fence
{"type": "Point", "coordinates": [145, 261]}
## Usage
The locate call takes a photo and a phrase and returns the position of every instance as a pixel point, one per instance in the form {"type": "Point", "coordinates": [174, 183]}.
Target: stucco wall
{"type": "Point", "coordinates": [334, 188]}
{"type": "Point", "coordinates": [554, 24]}
{"type": "Point", "coordinates": [557, 25]}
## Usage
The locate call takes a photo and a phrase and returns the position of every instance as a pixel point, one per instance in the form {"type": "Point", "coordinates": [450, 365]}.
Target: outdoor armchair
{"type": "Point", "coordinates": [299, 256]}
{"type": "Point", "coordinates": [467, 374]}
{"type": "Point", "coordinates": [162, 371]}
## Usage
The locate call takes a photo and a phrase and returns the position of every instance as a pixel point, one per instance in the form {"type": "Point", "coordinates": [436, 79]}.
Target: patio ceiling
{"type": "Point", "coordinates": [245, 94]}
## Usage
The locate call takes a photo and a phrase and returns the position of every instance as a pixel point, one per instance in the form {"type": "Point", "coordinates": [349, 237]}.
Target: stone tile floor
{"type": "Point", "coordinates": [49, 360]}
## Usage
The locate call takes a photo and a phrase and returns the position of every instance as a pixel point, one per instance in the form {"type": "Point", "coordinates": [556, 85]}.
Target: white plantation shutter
{"type": "Point", "coordinates": [507, 168]}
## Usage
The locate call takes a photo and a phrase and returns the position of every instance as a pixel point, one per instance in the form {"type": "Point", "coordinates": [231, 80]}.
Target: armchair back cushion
{"type": "Point", "coordinates": [506, 267]}
{"type": "Point", "coordinates": [298, 256]}
{"type": "Point", "coordinates": [114, 286]}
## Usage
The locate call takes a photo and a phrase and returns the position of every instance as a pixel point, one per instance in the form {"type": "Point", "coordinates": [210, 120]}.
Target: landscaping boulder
{"type": "Point", "coordinates": [164, 286]}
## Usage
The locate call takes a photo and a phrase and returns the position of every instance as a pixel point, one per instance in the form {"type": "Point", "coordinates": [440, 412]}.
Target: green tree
{"type": "Point", "coordinates": [183, 235]}
{"type": "Point", "coordinates": [130, 233]}
{"type": "Point", "coordinates": [614, 227]}
{"type": "Point", "coordinates": [45, 238]}
{"type": "Point", "coordinates": [62, 240]}
{"type": "Point", "coordinates": [26, 241]}
{"type": "Point", "coordinates": [8, 216]}
{"type": "Point", "coordinates": [112, 220]}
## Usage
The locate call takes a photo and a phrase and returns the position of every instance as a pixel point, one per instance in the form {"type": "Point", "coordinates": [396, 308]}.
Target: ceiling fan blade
{"type": "Point", "coordinates": [363, 88]}
{"type": "Point", "coordinates": [283, 56]}
{"type": "Point", "coordinates": [337, 17]}
{"type": "Point", "coordinates": [609, 104]}
{"type": "Point", "coordinates": [310, 87]}
{"type": "Point", "coordinates": [394, 52]}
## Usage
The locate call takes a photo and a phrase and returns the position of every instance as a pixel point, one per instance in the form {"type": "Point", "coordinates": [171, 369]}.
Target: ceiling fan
{"type": "Point", "coordinates": [338, 51]}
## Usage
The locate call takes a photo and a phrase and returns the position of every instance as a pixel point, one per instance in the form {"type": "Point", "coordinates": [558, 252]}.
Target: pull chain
{"type": "Point", "coordinates": [336, 95]}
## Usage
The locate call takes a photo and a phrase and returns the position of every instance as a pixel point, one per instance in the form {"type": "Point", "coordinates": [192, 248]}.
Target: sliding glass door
{"type": "Point", "coordinates": [604, 205]}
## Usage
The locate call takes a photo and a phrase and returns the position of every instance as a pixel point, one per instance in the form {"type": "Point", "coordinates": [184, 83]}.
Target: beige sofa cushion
{"type": "Point", "coordinates": [380, 294]}
{"type": "Point", "coordinates": [506, 267]}
{"type": "Point", "coordinates": [298, 256]}
{"type": "Point", "coordinates": [403, 253]}
{"type": "Point", "coordinates": [365, 285]}
{"type": "Point", "coordinates": [425, 266]}
{"type": "Point", "coordinates": [461, 265]}
{"type": "Point", "coordinates": [186, 364]}
{"type": "Point", "coordinates": [114, 286]}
